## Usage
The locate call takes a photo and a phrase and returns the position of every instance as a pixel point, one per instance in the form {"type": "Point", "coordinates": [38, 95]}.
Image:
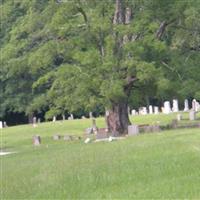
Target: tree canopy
{"type": "Point", "coordinates": [67, 56]}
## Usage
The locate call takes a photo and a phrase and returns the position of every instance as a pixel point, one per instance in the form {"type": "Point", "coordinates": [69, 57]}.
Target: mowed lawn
{"type": "Point", "coordinates": [163, 165]}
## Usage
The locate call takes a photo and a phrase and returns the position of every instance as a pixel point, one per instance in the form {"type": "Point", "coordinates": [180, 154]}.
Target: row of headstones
{"type": "Point", "coordinates": [37, 138]}
{"type": "Point", "coordinates": [3, 124]}
{"type": "Point", "coordinates": [71, 117]}
{"type": "Point", "coordinates": [166, 109]}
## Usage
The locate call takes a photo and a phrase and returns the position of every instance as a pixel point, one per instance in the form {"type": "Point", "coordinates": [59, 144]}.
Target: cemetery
{"type": "Point", "coordinates": [99, 99]}
{"type": "Point", "coordinates": [56, 159]}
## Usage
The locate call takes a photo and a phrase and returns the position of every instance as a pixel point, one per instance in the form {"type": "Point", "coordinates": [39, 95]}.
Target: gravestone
{"type": "Point", "coordinates": [102, 133]}
{"type": "Point", "coordinates": [195, 105]}
{"type": "Point", "coordinates": [68, 137]}
{"type": "Point", "coordinates": [167, 107]}
{"type": "Point", "coordinates": [145, 111]}
{"type": "Point", "coordinates": [54, 118]}
{"type": "Point", "coordinates": [133, 112]}
{"type": "Point", "coordinates": [174, 123]}
{"type": "Point", "coordinates": [63, 117]}
{"type": "Point", "coordinates": [192, 115]}
{"type": "Point", "coordinates": [133, 130]}
{"type": "Point", "coordinates": [175, 107]}
{"type": "Point", "coordinates": [89, 131]}
{"type": "Point", "coordinates": [107, 113]}
{"type": "Point", "coordinates": [34, 121]}
{"type": "Point", "coordinates": [5, 125]}
{"type": "Point", "coordinates": [36, 140]}
{"type": "Point", "coordinates": [94, 126]}
{"type": "Point", "coordinates": [142, 110]}
{"type": "Point", "coordinates": [156, 110]}
{"type": "Point", "coordinates": [39, 121]}
{"type": "Point", "coordinates": [186, 105]}
{"type": "Point", "coordinates": [83, 117]}
{"type": "Point", "coordinates": [150, 109]}
{"type": "Point", "coordinates": [179, 117]}
{"type": "Point", "coordinates": [72, 116]}
{"type": "Point", "coordinates": [155, 128]}
{"type": "Point", "coordinates": [90, 115]}
{"type": "Point", "coordinates": [56, 137]}
{"type": "Point", "coordinates": [1, 124]}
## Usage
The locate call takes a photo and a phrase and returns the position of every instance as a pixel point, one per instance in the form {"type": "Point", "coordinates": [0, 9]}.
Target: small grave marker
{"type": "Point", "coordinates": [192, 115]}
{"type": "Point", "coordinates": [56, 137]}
{"type": "Point", "coordinates": [1, 124]}
{"type": "Point", "coordinates": [179, 117]}
{"type": "Point", "coordinates": [133, 130]}
{"type": "Point", "coordinates": [36, 140]}
{"type": "Point", "coordinates": [186, 105]}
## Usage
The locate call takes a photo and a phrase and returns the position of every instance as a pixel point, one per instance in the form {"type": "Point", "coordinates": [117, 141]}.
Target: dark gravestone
{"type": "Point", "coordinates": [192, 115]}
{"type": "Point", "coordinates": [68, 137]}
{"type": "Point", "coordinates": [156, 128]}
{"type": "Point", "coordinates": [174, 123]}
{"type": "Point", "coordinates": [56, 137]}
{"type": "Point", "coordinates": [133, 130]}
{"type": "Point", "coordinates": [36, 140]}
{"type": "Point", "coordinates": [102, 133]}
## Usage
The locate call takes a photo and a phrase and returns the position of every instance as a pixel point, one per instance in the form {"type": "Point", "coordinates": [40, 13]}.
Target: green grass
{"type": "Point", "coordinates": [165, 165]}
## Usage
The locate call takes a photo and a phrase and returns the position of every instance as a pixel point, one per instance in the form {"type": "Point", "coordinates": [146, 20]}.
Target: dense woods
{"type": "Point", "coordinates": [61, 57]}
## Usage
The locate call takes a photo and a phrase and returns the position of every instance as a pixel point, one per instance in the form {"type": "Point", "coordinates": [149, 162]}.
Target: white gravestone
{"type": "Point", "coordinates": [150, 109]}
{"type": "Point", "coordinates": [90, 115]}
{"type": "Point", "coordinates": [72, 116]}
{"type": "Point", "coordinates": [195, 105]}
{"type": "Point", "coordinates": [133, 112]}
{"type": "Point", "coordinates": [143, 111]}
{"type": "Point", "coordinates": [34, 122]}
{"type": "Point", "coordinates": [54, 118]}
{"type": "Point", "coordinates": [1, 124]}
{"type": "Point", "coordinates": [5, 125]}
{"type": "Point", "coordinates": [167, 107]}
{"type": "Point", "coordinates": [186, 105]}
{"type": "Point", "coordinates": [175, 105]}
{"type": "Point", "coordinates": [156, 110]}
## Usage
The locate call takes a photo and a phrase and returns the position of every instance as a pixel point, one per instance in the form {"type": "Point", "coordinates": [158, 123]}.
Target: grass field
{"type": "Point", "coordinates": [163, 165]}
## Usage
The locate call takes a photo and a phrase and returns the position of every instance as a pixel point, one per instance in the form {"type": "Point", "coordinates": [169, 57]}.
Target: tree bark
{"type": "Point", "coordinates": [117, 119]}
{"type": "Point", "coordinates": [119, 12]}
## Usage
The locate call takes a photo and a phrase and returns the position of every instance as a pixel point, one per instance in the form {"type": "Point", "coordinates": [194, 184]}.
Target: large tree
{"type": "Point", "coordinates": [115, 46]}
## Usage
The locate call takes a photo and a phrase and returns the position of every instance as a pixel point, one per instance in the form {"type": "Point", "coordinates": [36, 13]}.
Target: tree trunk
{"type": "Point", "coordinates": [117, 119]}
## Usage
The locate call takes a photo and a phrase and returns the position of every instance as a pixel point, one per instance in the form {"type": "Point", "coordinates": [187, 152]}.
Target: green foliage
{"type": "Point", "coordinates": [60, 57]}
